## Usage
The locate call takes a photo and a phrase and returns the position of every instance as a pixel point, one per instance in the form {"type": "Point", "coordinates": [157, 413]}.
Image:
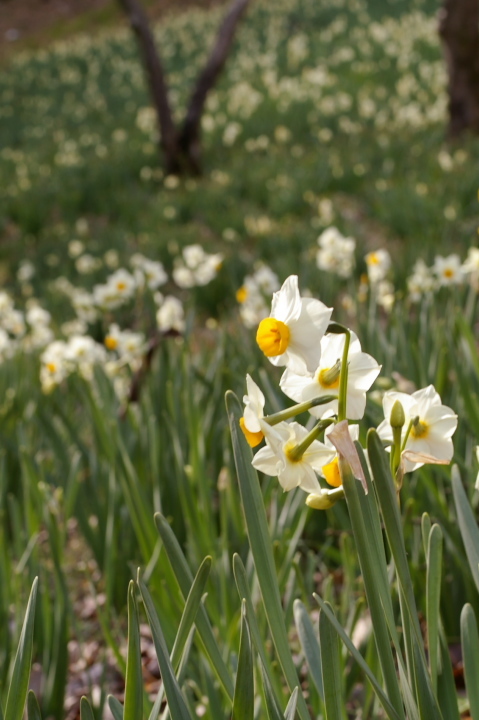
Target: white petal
{"type": "Point", "coordinates": [385, 431]}
{"type": "Point", "coordinates": [318, 455]}
{"type": "Point", "coordinates": [407, 401]}
{"type": "Point", "coordinates": [363, 371]}
{"type": "Point", "coordinates": [355, 405]}
{"type": "Point", "coordinates": [299, 387]}
{"type": "Point", "coordinates": [286, 305]}
{"type": "Point", "coordinates": [290, 476]}
{"type": "Point", "coordinates": [254, 393]}
{"type": "Point", "coordinates": [267, 462]}
{"type": "Point", "coordinates": [308, 480]}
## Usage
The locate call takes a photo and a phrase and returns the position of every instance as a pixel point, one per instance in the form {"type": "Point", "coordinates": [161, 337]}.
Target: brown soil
{"type": "Point", "coordinates": [34, 23]}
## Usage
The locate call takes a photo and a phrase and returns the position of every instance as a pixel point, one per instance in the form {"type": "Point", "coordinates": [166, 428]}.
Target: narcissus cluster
{"type": "Point", "coordinates": [328, 375]}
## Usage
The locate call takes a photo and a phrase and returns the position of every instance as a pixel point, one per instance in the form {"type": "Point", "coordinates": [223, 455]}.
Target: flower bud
{"type": "Point", "coordinates": [397, 417]}
{"type": "Point", "coordinates": [320, 502]}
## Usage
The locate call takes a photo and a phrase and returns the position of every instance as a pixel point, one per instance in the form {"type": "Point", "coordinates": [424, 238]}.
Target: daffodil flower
{"type": "Point", "coordinates": [362, 372]}
{"type": "Point", "coordinates": [250, 423]}
{"type": "Point", "coordinates": [292, 334]}
{"type": "Point", "coordinates": [428, 428]}
{"type": "Point", "coordinates": [278, 459]}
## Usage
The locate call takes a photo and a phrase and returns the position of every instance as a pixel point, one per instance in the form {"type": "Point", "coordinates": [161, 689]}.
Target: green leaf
{"type": "Point", "coordinates": [425, 530]}
{"type": "Point", "coordinates": [428, 708]}
{"type": "Point", "coordinates": [260, 543]}
{"type": "Point", "coordinates": [388, 501]}
{"type": "Point", "coordinates": [470, 653]}
{"type": "Point", "coordinates": [116, 707]}
{"type": "Point", "coordinates": [467, 524]}
{"type": "Point", "coordinates": [176, 702]}
{"type": "Point", "coordinates": [446, 686]}
{"type": "Point", "coordinates": [290, 711]}
{"type": "Point", "coordinates": [272, 707]}
{"type": "Point", "coordinates": [33, 708]}
{"type": "Point", "coordinates": [433, 596]}
{"type": "Point", "coordinates": [333, 686]}
{"type": "Point", "coordinates": [364, 515]}
{"type": "Point", "coordinates": [245, 594]}
{"type": "Point", "coordinates": [325, 607]}
{"type": "Point", "coordinates": [17, 692]}
{"type": "Point", "coordinates": [86, 712]}
{"type": "Point", "coordinates": [192, 605]}
{"type": "Point", "coordinates": [309, 644]}
{"type": "Point", "coordinates": [184, 578]}
{"type": "Point", "coordinates": [243, 703]}
{"type": "Point", "coordinates": [386, 491]}
{"type": "Point", "coordinates": [133, 708]}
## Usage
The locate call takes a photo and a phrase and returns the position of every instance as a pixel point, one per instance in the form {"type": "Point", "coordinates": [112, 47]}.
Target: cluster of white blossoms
{"type": "Point", "coordinates": [80, 353]}
{"type": "Point", "coordinates": [25, 331]}
{"type": "Point", "coordinates": [71, 348]}
{"type": "Point", "coordinates": [327, 374]}
{"type": "Point", "coordinates": [446, 271]}
{"type": "Point", "coordinates": [336, 253]}
{"type": "Point", "coordinates": [196, 267]}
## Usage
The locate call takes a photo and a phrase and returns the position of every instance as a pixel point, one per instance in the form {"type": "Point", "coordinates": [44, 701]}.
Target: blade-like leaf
{"type": "Point", "coordinates": [467, 524]}
{"type": "Point", "coordinates": [309, 644]}
{"type": "Point", "coordinates": [386, 492]}
{"type": "Point", "coordinates": [185, 580]}
{"type": "Point", "coordinates": [260, 543]}
{"type": "Point", "coordinates": [192, 605]}
{"type": "Point", "coordinates": [333, 686]}
{"type": "Point", "coordinates": [86, 712]}
{"type": "Point", "coordinates": [17, 692]}
{"type": "Point", "coordinates": [425, 530]}
{"type": "Point", "coordinates": [133, 708]}
{"type": "Point", "coordinates": [243, 703]}
{"type": "Point", "coordinates": [245, 594]}
{"type": "Point", "coordinates": [446, 685]}
{"type": "Point", "coordinates": [116, 707]}
{"type": "Point", "coordinates": [176, 702]}
{"type": "Point", "coordinates": [290, 710]}
{"type": "Point", "coordinates": [33, 708]}
{"type": "Point", "coordinates": [358, 657]}
{"type": "Point", "coordinates": [470, 652]}
{"type": "Point", "coordinates": [433, 596]}
{"type": "Point", "coordinates": [369, 543]}
{"type": "Point", "coordinates": [272, 707]}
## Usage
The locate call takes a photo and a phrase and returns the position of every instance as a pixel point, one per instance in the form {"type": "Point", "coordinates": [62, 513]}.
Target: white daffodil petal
{"type": "Point", "coordinates": [286, 305]}
{"type": "Point", "coordinates": [267, 462]}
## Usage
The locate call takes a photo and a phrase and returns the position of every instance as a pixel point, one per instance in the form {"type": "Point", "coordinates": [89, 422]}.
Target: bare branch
{"type": "Point", "coordinates": [156, 81]}
{"type": "Point", "coordinates": [190, 134]}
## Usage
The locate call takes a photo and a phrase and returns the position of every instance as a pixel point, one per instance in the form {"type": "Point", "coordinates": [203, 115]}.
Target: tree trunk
{"type": "Point", "coordinates": [157, 83]}
{"type": "Point", "coordinates": [182, 149]}
{"type": "Point", "coordinates": [190, 137]}
{"type": "Point", "coordinates": [459, 30]}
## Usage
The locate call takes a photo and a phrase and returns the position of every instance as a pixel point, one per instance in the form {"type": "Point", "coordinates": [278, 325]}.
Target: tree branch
{"type": "Point", "coordinates": [190, 133]}
{"type": "Point", "coordinates": [156, 81]}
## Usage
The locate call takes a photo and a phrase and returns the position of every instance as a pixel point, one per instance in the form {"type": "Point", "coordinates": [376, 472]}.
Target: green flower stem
{"type": "Point", "coordinates": [297, 409]}
{"type": "Point", "coordinates": [297, 452]}
{"type": "Point", "coordinates": [396, 450]}
{"type": "Point", "coordinates": [343, 378]}
{"type": "Point", "coordinates": [406, 436]}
